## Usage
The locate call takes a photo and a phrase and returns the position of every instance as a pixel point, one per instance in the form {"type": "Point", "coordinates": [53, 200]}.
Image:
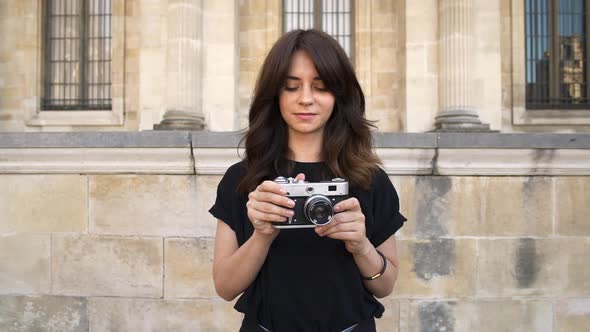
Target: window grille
{"type": "Point", "coordinates": [334, 17]}
{"type": "Point", "coordinates": [556, 54]}
{"type": "Point", "coordinates": [78, 55]}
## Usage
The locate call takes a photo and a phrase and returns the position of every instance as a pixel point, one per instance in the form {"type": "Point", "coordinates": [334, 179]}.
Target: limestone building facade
{"type": "Point", "coordinates": [483, 127]}
{"type": "Point", "coordinates": [414, 59]}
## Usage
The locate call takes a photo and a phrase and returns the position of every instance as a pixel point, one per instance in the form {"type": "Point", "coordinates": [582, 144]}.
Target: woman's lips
{"type": "Point", "coordinates": [305, 116]}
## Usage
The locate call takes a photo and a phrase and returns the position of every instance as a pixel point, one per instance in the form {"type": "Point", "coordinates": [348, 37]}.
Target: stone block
{"type": "Point", "coordinates": [382, 58]}
{"type": "Point", "coordinates": [436, 268]}
{"type": "Point", "coordinates": [533, 267]}
{"type": "Point", "coordinates": [43, 203]}
{"type": "Point", "coordinates": [432, 206]}
{"type": "Point", "coordinates": [572, 315]}
{"type": "Point", "coordinates": [390, 319]}
{"type": "Point", "coordinates": [572, 211]}
{"type": "Point", "coordinates": [207, 186]}
{"type": "Point", "coordinates": [479, 206]}
{"type": "Point", "coordinates": [517, 206]}
{"type": "Point", "coordinates": [386, 38]}
{"type": "Point", "coordinates": [405, 187]}
{"type": "Point", "coordinates": [158, 205]}
{"type": "Point", "coordinates": [502, 315]}
{"type": "Point", "coordinates": [383, 21]}
{"type": "Point", "coordinates": [120, 314]}
{"type": "Point", "coordinates": [188, 266]}
{"type": "Point", "coordinates": [25, 264]}
{"type": "Point", "coordinates": [107, 266]}
{"type": "Point", "coordinates": [43, 313]}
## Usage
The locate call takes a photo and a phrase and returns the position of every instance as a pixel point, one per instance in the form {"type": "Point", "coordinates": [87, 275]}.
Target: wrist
{"type": "Point", "coordinates": [381, 271]}
{"type": "Point", "coordinates": [262, 237]}
{"type": "Point", "coordinates": [365, 249]}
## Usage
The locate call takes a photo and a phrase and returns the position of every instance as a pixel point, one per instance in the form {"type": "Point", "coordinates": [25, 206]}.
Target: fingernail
{"type": "Point", "coordinates": [290, 213]}
{"type": "Point", "coordinates": [291, 203]}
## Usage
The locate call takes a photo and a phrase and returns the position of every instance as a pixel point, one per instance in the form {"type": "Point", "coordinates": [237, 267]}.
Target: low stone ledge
{"type": "Point", "coordinates": [230, 139]}
{"type": "Point", "coordinates": [513, 141]}
{"type": "Point", "coordinates": [211, 153]}
{"type": "Point", "coordinates": [142, 139]}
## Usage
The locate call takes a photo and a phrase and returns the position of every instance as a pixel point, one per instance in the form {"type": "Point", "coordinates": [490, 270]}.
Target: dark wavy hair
{"type": "Point", "coordinates": [347, 146]}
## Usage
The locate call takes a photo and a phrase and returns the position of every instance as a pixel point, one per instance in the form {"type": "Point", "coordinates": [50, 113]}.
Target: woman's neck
{"type": "Point", "coordinates": [306, 148]}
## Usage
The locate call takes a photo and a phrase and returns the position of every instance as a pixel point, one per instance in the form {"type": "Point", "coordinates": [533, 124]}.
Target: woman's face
{"type": "Point", "coordinates": [305, 103]}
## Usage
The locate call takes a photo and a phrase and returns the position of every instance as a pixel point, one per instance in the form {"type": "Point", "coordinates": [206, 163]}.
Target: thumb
{"type": "Point", "coordinates": [300, 177]}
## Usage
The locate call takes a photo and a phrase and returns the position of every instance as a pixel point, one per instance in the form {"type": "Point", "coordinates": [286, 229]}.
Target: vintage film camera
{"type": "Point", "coordinates": [314, 201]}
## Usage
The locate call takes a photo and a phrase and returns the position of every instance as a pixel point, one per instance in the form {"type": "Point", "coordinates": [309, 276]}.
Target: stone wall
{"type": "Point", "coordinates": [105, 250]}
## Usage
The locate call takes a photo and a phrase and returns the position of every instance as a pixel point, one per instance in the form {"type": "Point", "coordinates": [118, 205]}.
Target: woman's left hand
{"type": "Point", "coordinates": [348, 225]}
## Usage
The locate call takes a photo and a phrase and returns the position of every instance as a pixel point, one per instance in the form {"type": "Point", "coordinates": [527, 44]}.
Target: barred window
{"type": "Point", "coordinates": [78, 55]}
{"type": "Point", "coordinates": [335, 17]}
{"type": "Point", "coordinates": [556, 54]}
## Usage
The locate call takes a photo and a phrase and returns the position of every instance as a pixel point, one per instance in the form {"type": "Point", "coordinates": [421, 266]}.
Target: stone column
{"type": "Point", "coordinates": [456, 60]}
{"type": "Point", "coordinates": [184, 72]}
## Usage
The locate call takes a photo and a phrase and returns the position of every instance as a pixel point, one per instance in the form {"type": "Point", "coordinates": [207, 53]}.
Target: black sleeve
{"type": "Point", "coordinates": [386, 213]}
{"type": "Point", "coordinates": [227, 202]}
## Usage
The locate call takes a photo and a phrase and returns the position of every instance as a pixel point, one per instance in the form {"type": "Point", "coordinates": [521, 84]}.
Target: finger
{"type": "Point", "coordinates": [348, 216]}
{"type": "Point", "coordinates": [255, 216]}
{"type": "Point", "coordinates": [271, 186]}
{"type": "Point", "coordinates": [345, 227]}
{"type": "Point", "coordinates": [300, 177]}
{"type": "Point", "coordinates": [350, 204]}
{"type": "Point", "coordinates": [345, 236]}
{"type": "Point", "coordinates": [343, 217]}
{"type": "Point", "coordinates": [269, 197]}
{"type": "Point", "coordinates": [271, 209]}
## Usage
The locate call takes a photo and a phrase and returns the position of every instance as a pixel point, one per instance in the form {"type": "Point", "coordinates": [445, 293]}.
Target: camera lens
{"type": "Point", "coordinates": [318, 209]}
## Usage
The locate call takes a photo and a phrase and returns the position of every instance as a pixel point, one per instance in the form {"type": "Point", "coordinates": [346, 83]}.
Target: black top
{"type": "Point", "coordinates": [309, 283]}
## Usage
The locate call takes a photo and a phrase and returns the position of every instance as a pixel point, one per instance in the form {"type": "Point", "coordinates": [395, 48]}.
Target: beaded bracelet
{"type": "Point", "coordinates": [380, 273]}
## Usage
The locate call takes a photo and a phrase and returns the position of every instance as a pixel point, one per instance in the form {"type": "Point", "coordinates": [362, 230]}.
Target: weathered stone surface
{"type": "Point", "coordinates": [25, 264]}
{"type": "Point", "coordinates": [502, 315]}
{"type": "Point", "coordinates": [533, 267]}
{"type": "Point", "coordinates": [43, 203]}
{"type": "Point", "coordinates": [477, 206]}
{"type": "Point", "coordinates": [438, 267]}
{"type": "Point", "coordinates": [572, 315]}
{"type": "Point", "coordinates": [390, 319]}
{"type": "Point", "coordinates": [157, 205]}
{"type": "Point", "coordinates": [188, 266]}
{"type": "Point", "coordinates": [465, 216]}
{"type": "Point", "coordinates": [207, 188]}
{"type": "Point", "coordinates": [43, 313]}
{"type": "Point", "coordinates": [572, 209]}
{"type": "Point", "coordinates": [406, 190]}
{"type": "Point", "coordinates": [516, 206]}
{"type": "Point", "coordinates": [107, 266]}
{"type": "Point", "coordinates": [119, 314]}
{"type": "Point", "coordinates": [432, 206]}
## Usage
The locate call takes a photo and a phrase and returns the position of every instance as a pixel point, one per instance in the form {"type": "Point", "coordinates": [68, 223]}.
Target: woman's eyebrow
{"type": "Point", "coordinates": [289, 77]}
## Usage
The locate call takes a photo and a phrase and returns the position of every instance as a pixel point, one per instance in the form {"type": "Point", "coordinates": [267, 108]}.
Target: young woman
{"type": "Point", "coordinates": [306, 121]}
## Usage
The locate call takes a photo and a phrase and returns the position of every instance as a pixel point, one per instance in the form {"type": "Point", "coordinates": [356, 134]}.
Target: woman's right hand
{"type": "Point", "coordinates": [267, 204]}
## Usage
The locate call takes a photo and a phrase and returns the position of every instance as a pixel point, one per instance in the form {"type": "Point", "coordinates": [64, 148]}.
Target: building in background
{"type": "Point", "coordinates": [127, 65]}
{"type": "Point", "coordinates": [103, 210]}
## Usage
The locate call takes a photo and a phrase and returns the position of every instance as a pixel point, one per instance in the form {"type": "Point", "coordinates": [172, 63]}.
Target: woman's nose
{"type": "Point", "coordinates": [306, 96]}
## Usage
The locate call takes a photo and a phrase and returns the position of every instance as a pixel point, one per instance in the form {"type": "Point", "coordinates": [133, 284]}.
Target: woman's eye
{"type": "Point", "coordinates": [321, 88]}
{"type": "Point", "coordinates": [290, 88]}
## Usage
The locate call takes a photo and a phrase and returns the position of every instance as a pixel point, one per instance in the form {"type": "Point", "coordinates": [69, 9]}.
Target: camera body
{"type": "Point", "coordinates": [314, 201]}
